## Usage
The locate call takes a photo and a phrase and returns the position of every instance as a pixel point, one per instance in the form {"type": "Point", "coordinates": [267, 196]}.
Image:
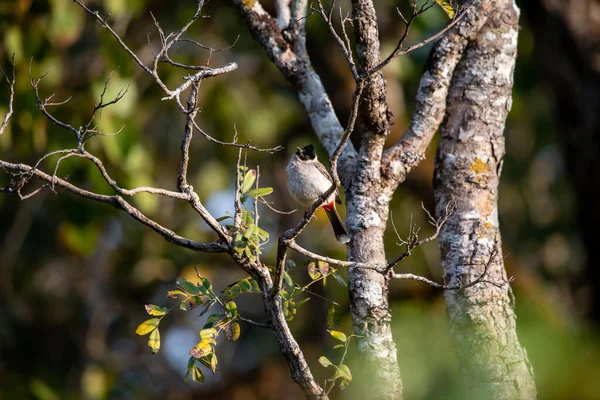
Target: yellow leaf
{"type": "Point", "coordinates": [147, 326]}
{"type": "Point", "coordinates": [447, 7]}
{"type": "Point", "coordinates": [338, 335]}
{"type": "Point", "coordinates": [154, 341]}
{"type": "Point", "coordinates": [155, 310]}
{"type": "Point", "coordinates": [201, 349]}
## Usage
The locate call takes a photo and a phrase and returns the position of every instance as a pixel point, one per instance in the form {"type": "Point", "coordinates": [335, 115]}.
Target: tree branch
{"type": "Point", "coordinates": [11, 85]}
{"type": "Point", "coordinates": [116, 201]}
{"type": "Point", "coordinates": [399, 160]}
{"type": "Point", "coordinates": [292, 60]}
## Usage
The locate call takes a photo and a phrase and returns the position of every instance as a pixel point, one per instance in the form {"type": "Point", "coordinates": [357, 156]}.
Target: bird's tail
{"type": "Point", "coordinates": [341, 233]}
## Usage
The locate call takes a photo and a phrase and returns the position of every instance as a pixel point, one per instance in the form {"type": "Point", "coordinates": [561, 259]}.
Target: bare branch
{"type": "Point", "coordinates": [251, 322]}
{"type": "Point", "coordinates": [399, 50]}
{"type": "Point", "coordinates": [102, 22]}
{"type": "Point", "coordinates": [199, 76]}
{"type": "Point", "coordinates": [296, 247]}
{"type": "Point", "coordinates": [344, 45]}
{"type": "Point", "coordinates": [248, 144]}
{"type": "Point", "coordinates": [412, 241]}
{"type": "Point", "coordinates": [479, 279]}
{"type": "Point", "coordinates": [270, 207]}
{"type": "Point", "coordinates": [237, 202]}
{"type": "Point", "coordinates": [41, 104]}
{"type": "Point", "coordinates": [292, 60]}
{"type": "Point", "coordinates": [398, 160]}
{"type": "Point", "coordinates": [119, 202]}
{"type": "Point", "coordinates": [11, 85]}
{"type": "Point", "coordinates": [211, 49]}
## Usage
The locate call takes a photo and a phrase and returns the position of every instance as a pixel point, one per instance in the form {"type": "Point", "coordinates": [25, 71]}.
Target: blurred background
{"type": "Point", "coordinates": [74, 275]}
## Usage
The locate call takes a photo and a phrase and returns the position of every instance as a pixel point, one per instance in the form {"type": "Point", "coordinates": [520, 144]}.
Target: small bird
{"type": "Point", "coordinates": [307, 180]}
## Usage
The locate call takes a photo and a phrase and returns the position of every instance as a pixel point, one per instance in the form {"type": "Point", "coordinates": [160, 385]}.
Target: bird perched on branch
{"type": "Point", "coordinates": [307, 180]}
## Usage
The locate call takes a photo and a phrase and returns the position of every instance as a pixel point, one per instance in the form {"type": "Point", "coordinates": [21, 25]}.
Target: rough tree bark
{"type": "Point", "coordinates": [467, 170]}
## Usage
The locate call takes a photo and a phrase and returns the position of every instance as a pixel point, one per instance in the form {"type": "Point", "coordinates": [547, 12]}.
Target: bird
{"type": "Point", "coordinates": [307, 180]}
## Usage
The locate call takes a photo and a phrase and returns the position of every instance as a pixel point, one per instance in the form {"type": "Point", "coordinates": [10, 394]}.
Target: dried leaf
{"type": "Point", "coordinates": [232, 332]}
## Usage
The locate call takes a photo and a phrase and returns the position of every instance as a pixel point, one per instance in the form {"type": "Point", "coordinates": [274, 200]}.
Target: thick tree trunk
{"type": "Point", "coordinates": [367, 210]}
{"type": "Point", "coordinates": [468, 164]}
{"type": "Point", "coordinates": [369, 302]}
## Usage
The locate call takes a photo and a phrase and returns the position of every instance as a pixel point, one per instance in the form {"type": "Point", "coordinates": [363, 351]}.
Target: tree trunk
{"type": "Point", "coordinates": [467, 171]}
{"type": "Point", "coordinates": [369, 302]}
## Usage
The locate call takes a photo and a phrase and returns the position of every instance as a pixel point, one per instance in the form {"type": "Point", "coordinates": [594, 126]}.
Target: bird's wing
{"type": "Point", "coordinates": [325, 173]}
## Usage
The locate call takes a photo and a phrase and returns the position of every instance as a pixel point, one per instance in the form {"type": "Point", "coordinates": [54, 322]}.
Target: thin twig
{"type": "Point", "coordinates": [251, 322]}
{"type": "Point", "coordinates": [412, 241]}
{"type": "Point", "coordinates": [479, 279]}
{"type": "Point", "coordinates": [120, 203]}
{"type": "Point", "coordinates": [399, 50]}
{"type": "Point", "coordinates": [11, 85]}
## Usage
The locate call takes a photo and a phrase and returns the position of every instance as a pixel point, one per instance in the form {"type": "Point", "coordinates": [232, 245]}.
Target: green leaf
{"type": "Point", "coordinates": [249, 179]}
{"type": "Point", "coordinates": [345, 372]}
{"type": "Point", "coordinates": [183, 306]}
{"type": "Point", "coordinates": [213, 362]}
{"type": "Point", "coordinates": [245, 285]}
{"type": "Point", "coordinates": [287, 279]}
{"type": "Point", "coordinates": [302, 301]}
{"type": "Point", "coordinates": [339, 346]}
{"type": "Point", "coordinates": [206, 287]}
{"type": "Point", "coordinates": [289, 309]}
{"type": "Point", "coordinates": [209, 361]}
{"type": "Point", "coordinates": [231, 308]}
{"type": "Point", "coordinates": [447, 7]}
{"type": "Point", "coordinates": [210, 322]}
{"type": "Point", "coordinates": [340, 280]}
{"type": "Point", "coordinates": [154, 341]}
{"type": "Point", "coordinates": [223, 218]}
{"type": "Point", "coordinates": [312, 271]}
{"type": "Point", "coordinates": [249, 231]}
{"type": "Point", "coordinates": [334, 316]}
{"type": "Point", "coordinates": [191, 363]}
{"type": "Point", "coordinates": [188, 286]}
{"type": "Point", "coordinates": [156, 310]}
{"type": "Point", "coordinates": [324, 361]}
{"type": "Point", "coordinates": [262, 234]}
{"type": "Point", "coordinates": [338, 335]}
{"type": "Point", "coordinates": [147, 326]}
{"type": "Point", "coordinates": [260, 192]}
{"type": "Point", "coordinates": [232, 332]}
{"type": "Point", "coordinates": [197, 374]}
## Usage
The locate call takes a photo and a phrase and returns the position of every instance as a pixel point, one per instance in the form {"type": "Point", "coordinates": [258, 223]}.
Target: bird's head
{"type": "Point", "coordinates": [306, 153]}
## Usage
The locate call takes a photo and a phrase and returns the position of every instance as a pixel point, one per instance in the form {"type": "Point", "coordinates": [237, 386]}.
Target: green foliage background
{"type": "Point", "coordinates": [74, 275]}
